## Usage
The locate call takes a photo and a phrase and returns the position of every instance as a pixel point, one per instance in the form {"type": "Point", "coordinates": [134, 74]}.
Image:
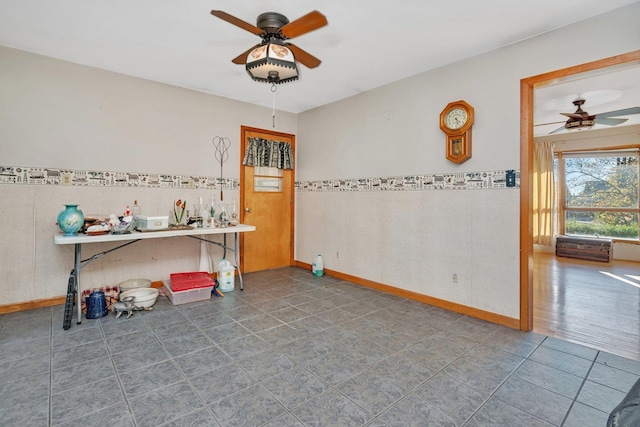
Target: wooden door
{"type": "Point", "coordinates": [266, 201]}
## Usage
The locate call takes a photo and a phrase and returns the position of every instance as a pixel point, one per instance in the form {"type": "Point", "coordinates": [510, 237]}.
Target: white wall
{"type": "Point", "coordinates": [394, 130]}
{"type": "Point", "coordinates": [56, 114]}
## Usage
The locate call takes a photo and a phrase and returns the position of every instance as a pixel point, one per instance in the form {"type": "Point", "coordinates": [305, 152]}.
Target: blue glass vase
{"type": "Point", "coordinates": [70, 220]}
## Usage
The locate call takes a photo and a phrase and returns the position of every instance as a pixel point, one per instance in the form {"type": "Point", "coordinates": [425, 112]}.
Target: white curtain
{"type": "Point", "coordinates": [543, 194]}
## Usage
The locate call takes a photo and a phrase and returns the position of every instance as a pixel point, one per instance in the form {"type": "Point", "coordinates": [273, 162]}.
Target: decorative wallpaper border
{"type": "Point", "coordinates": [73, 177]}
{"type": "Point", "coordinates": [92, 178]}
{"type": "Point", "coordinates": [446, 181]}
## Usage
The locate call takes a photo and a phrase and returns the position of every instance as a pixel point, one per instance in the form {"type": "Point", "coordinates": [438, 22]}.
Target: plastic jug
{"type": "Point", "coordinates": [226, 276]}
{"type": "Point", "coordinates": [317, 267]}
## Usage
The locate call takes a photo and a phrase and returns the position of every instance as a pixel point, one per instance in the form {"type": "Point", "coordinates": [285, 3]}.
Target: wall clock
{"type": "Point", "coordinates": [456, 121]}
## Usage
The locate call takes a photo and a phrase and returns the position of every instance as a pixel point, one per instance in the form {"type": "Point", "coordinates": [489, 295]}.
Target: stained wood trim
{"type": "Point", "coordinates": [527, 86]}
{"type": "Point", "coordinates": [30, 305]}
{"type": "Point", "coordinates": [436, 302]}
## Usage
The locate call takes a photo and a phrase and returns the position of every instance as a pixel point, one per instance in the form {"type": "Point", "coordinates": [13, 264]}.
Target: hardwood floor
{"type": "Point", "coordinates": [596, 304]}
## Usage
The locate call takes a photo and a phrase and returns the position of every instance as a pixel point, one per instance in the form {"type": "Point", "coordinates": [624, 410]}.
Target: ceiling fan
{"type": "Point", "coordinates": [274, 59]}
{"type": "Point", "coordinates": [583, 120]}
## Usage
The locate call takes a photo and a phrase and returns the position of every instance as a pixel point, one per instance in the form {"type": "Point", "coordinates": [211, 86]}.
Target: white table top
{"type": "Point", "coordinates": [61, 239]}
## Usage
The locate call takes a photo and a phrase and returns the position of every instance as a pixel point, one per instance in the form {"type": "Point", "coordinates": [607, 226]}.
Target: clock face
{"type": "Point", "coordinates": [456, 118]}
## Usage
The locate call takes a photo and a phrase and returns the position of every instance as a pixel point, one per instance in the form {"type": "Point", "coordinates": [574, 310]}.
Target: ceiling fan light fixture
{"type": "Point", "coordinates": [579, 124]}
{"type": "Point", "coordinates": [272, 62]}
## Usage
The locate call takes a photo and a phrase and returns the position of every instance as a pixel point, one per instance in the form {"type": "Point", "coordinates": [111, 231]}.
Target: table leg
{"type": "Point", "coordinates": [236, 251]}
{"type": "Point", "coordinates": [76, 272]}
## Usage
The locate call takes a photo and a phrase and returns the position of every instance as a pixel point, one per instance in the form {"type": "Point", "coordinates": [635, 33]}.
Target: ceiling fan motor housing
{"type": "Point", "coordinates": [271, 22]}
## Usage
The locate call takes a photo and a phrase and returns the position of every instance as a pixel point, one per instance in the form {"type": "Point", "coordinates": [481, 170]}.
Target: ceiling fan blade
{"type": "Point", "coordinates": [303, 56]}
{"type": "Point", "coordinates": [616, 113]}
{"type": "Point", "coordinates": [237, 22]}
{"type": "Point", "coordinates": [557, 130]}
{"type": "Point", "coordinates": [309, 22]}
{"type": "Point", "coordinates": [609, 121]}
{"type": "Point", "coordinates": [575, 116]}
{"type": "Point", "coordinates": [548, 123]}
{"type": "Point", "coordinates": [242, 58]}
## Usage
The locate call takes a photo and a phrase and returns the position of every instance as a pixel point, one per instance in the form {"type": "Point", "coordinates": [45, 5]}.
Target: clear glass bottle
{"type": "Point", "coordinates": [135, 210]}
{"type": "Point", "coordinates": [234, 218]}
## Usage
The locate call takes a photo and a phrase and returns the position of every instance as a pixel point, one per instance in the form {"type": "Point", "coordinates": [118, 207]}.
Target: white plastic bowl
{"type": "Point", "coordinates": [130, 284]}
{"type": "Point", "coordinates": [144, 297]}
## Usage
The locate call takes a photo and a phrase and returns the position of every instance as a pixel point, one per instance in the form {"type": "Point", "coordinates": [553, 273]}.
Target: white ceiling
{"type": "Point", "coordinates": [367, 44]}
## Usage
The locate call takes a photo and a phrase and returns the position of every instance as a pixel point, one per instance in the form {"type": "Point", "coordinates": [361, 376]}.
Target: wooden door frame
{"type": "Point", "coordinates": [527, 87]}
{"type": "Point", "coordinates": [243, 131]}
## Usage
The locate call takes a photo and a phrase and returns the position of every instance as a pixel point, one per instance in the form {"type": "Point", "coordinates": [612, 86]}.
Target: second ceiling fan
{"type": "Point", "coordinates": [583, 120]}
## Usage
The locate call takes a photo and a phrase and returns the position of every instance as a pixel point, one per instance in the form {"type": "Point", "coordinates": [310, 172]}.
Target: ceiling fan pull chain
{"type": "Point", "coordinates": [273, 110]}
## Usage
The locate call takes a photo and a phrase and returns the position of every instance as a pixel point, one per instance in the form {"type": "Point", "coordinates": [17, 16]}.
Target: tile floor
{"type": "Point", "coordinates": [296, 350]}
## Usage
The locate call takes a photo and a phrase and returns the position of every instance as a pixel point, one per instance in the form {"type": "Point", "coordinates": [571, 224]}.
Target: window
{"type": "Point", "coordinates": [598, 193]}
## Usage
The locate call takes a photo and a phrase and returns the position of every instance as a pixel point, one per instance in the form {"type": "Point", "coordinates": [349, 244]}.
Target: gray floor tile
{"type": "Point", "coordinates": [251, 407]}
{"type": "Point", "coordinates": [179, 345]}
{"type": "Point", "coordinates": [571, 348]}
{"type": "Point", "coordinates": [86, 399]}
{"type": "Point", "coordinates": [199, 418]}
{"type": "Point", "coordinates": [202, 361]}
{"type": "Point", "coordinates": [137, 357]}
{"type": "Point", "coordinates": [266, 364]}
{"type": "Point", "coordinates": [287, 420]}
{"type": "Point", "coordinates": [498, 414]}
{"type": "Point", "coordinates": [618, 362]}
{"type": "Point", "coordinates": [175, 401]}
{"type": "Point", "coordinates": [112, 416]}
{"type": "Point", "coordinates": [24, 390]}
{"type": "Point", "coordinates": [333, 367]}
{"type": "Point", "coordinates": [411, 410]}
{"type": "Point", "coordinates": [403, 371]}
{"type": "Point", "coordinates": [484, 369]}
{"type": "Point", "coordinates": [34, 413]}
{"type": "Point", "coordinates": [221, 382]}
{"type": "Point", "coordinates": [149, 378]}
{"type": "Point", "coordinates": [612, 377]}
{"type": "Point", "coordinates": [583, 416]}
{"type": "Point", "coordinates": [599, 396]}
{"type": "Point", "coordinates": [535, 400]}
{"type": "Point", "coordinates": [453, 397]}
{"type": "Point", "coordinates": [12, 370]}
{"type": "Point", "coordinates": [295, 387]}
{"type": "Point", "coordinates": [260, 323]}
{"type": "Point", "coordinates": [81, 374]}
{"type": "Point", "coordinates": [244, 347]}
{"type": "Point", "coordinates": [227, 332]}
{"type": "Point", "coordinates": [560, 360]}
{"type": "Point", "coordinates": [549, 378]}
{"type": "Point", "coordinates": [438, 350]}
{"type": "Point", "coordinates": [332, 409]}
{"type": "Point", "coordinates": [370, 391]}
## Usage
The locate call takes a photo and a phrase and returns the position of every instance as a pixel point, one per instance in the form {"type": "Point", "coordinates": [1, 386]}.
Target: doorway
{"type": "Point", "coordinates": [527, 87]}
{"type": "Point", "coordinates": [266, 201]}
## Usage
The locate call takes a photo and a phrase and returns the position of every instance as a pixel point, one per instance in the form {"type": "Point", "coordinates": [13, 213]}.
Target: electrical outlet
{"type": "Point", "coordinates": [66, 179]}
{"type": "Point", "coordinates": [337, 254]}
{"type": "Point", "coordinates": [455, 278]}
{"type": "Point", "coordinates": [191, 184]}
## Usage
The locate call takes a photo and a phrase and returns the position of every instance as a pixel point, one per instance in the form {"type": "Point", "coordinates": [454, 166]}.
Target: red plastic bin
{"type": "Point", "coordinates": [192, 280]}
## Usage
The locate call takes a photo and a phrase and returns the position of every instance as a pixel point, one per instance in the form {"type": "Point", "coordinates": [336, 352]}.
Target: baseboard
{"type": "Point", "coordinates": [436, 302]}
{"type": "Point", "coordinates": [30, 305]}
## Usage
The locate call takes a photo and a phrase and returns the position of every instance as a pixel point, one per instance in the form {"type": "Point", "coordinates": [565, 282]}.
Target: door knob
{"type": "Point", "coordinates": [247, 210]}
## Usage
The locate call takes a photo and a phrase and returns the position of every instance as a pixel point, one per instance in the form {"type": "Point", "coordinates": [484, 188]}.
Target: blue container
{"type": "Point", "coordinates": [96, 305]}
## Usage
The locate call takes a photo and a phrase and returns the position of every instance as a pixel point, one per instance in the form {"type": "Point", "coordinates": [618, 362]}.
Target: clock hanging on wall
{"type": "Point", "coordinates": [456, 121]}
